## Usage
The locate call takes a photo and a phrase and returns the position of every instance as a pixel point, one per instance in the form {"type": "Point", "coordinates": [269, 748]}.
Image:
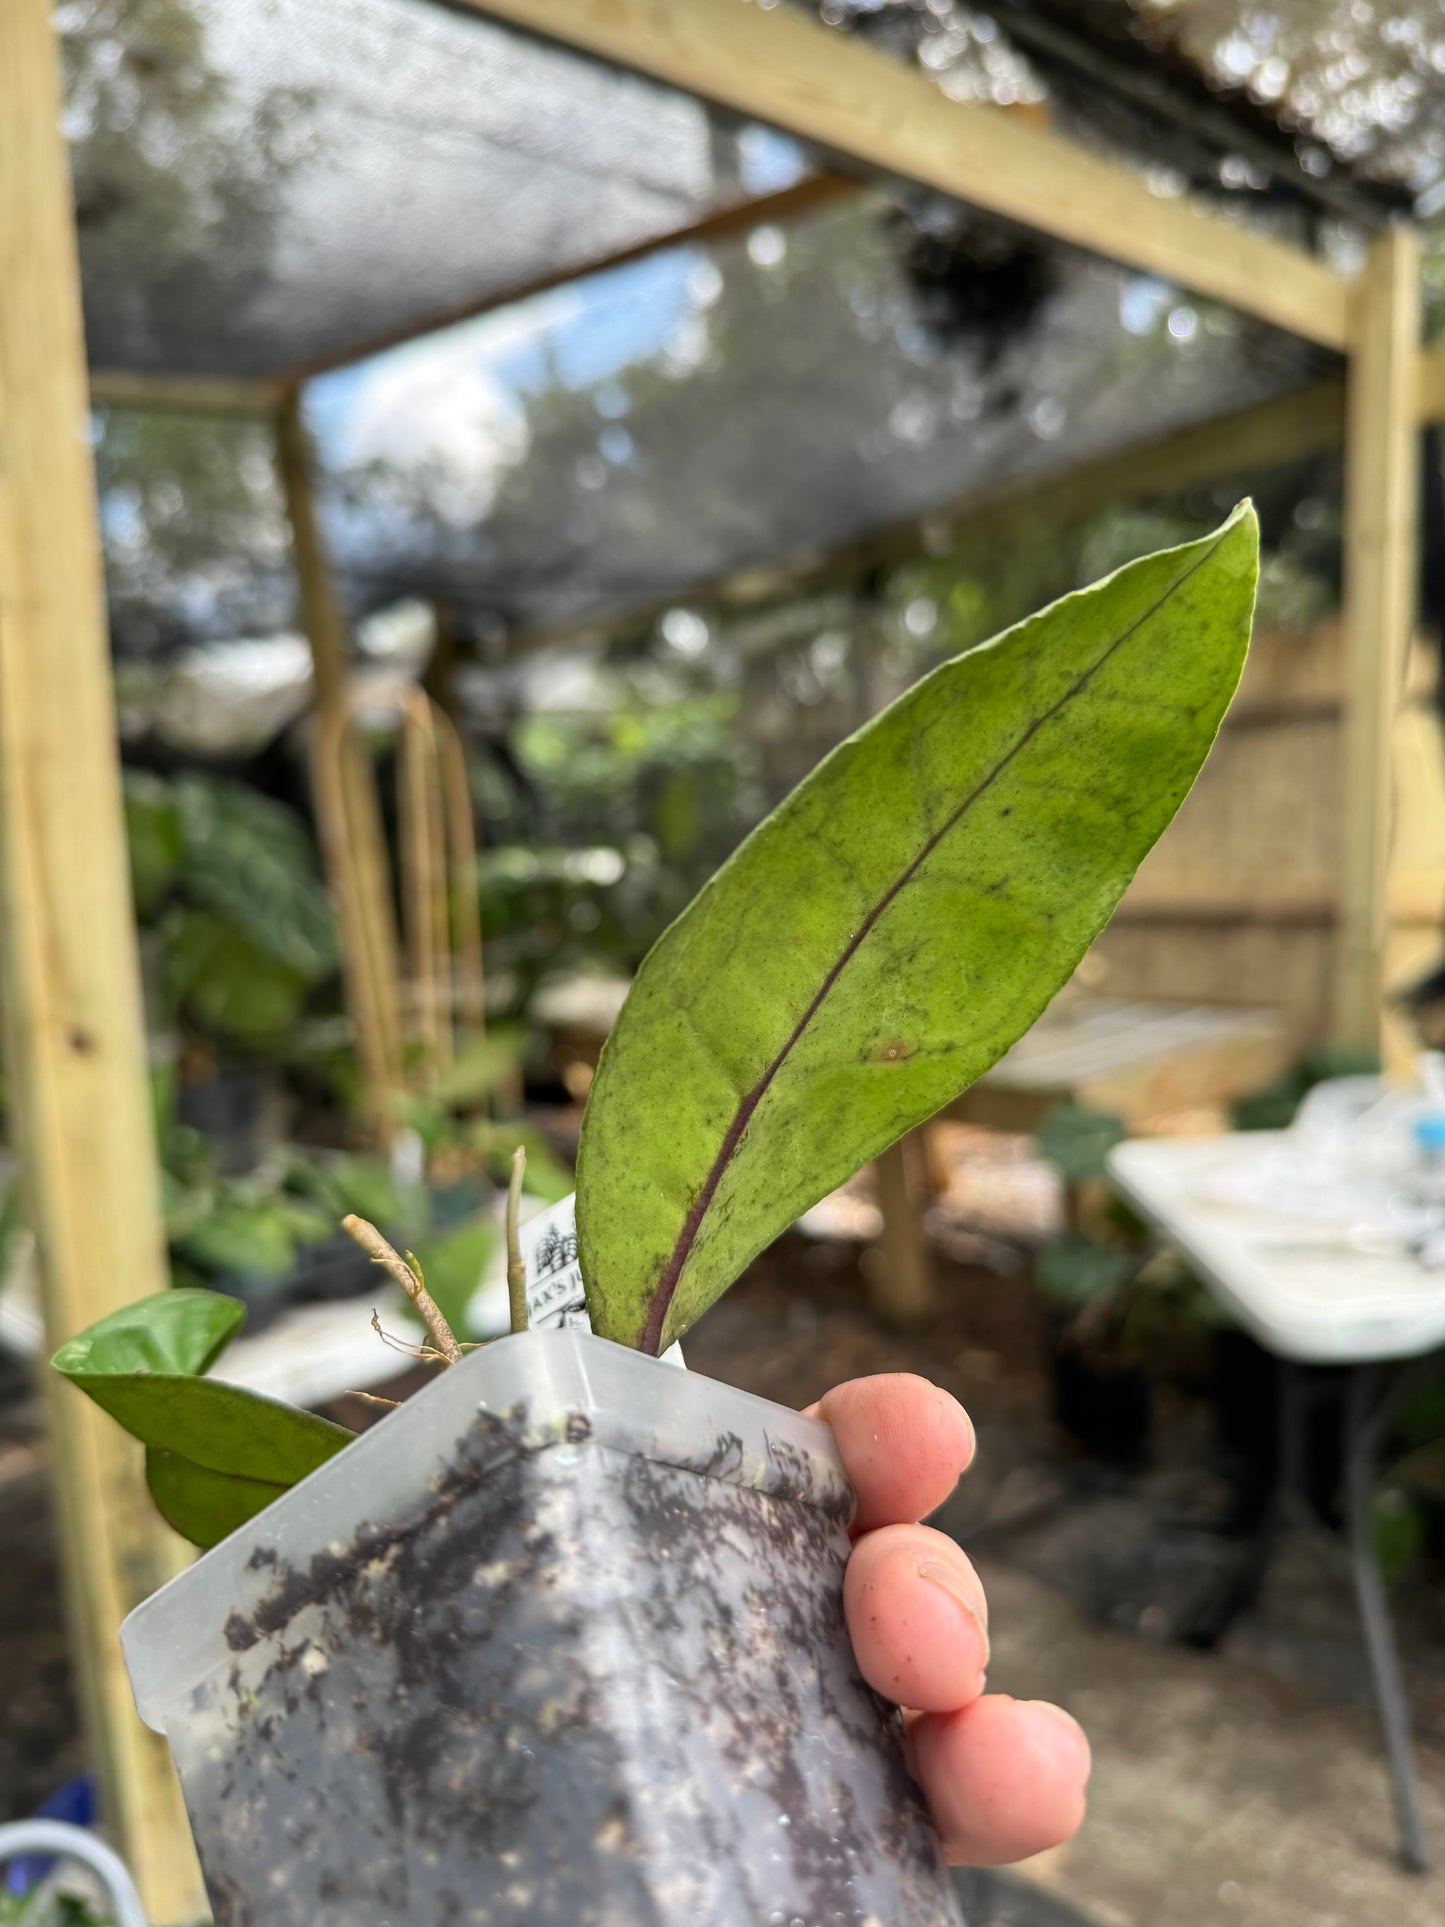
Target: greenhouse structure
{"type": "Point", "coordinates": [610, 130]}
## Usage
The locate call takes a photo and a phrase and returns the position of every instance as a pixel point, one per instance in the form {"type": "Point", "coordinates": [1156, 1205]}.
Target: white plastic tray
{"type": "Point", "coordinates": [1310, 1290]}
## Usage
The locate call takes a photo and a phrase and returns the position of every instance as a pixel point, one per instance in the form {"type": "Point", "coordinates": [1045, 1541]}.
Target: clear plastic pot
{"type": "Point", "coordinates": [560, 1642]}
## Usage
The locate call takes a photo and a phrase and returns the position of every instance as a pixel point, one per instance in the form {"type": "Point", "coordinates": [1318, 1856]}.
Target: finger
{"type": "Point", "coordinates": [1004, 1778]}
{"type": "Point", "coordinates": [917, 1617]}
{"type": "Point", "coordinates": [904, 1443]}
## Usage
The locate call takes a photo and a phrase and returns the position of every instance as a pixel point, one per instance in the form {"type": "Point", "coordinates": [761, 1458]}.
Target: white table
{"type": "Point", "coordinates": [1317, 1295]}
{"type": "Point", "coordinates": [1308, 1291]}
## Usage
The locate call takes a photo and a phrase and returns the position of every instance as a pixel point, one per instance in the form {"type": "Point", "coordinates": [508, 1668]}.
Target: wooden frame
{"type": "Point", "coordinates": [186, 394]}
{"type": "Point", "coordinates": [1430, 387]}
{"type": "Point", "coordinates": [76, 1052]}
{"type": "Point", "coordinates": [1382, 483]}
{"type": "Point", "coordinates": [76, 1042]}
{"type": "Point", "coordinates": [879, 114]}
{"type": "Point", "coordinates": [807, 197]}
{"type": "Point", "coordinates": [269, 395]}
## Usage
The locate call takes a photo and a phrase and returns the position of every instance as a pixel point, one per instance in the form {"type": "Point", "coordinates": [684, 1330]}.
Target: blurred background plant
{"type": "Point", "coordinates": [45, 1908]}
{"type": "Point", "coordinates": [661, 772]}
{"type": "Point", "coordinates": [1123, 1315]}
{"type": "Point", "coordinates": [226, 882]}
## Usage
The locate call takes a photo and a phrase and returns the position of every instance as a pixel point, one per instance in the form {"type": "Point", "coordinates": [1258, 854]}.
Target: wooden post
{"type": "Point", "coordinates": [901, 1287]}
{"type": "Point", "coordinates": [422, 848]}
{"type": "Point", "coordinates": [320, 615]}
{"type": "Point", "coordinates": [353, 842]}
{"type": "Point", "coordinates": [76, 1054]}
{"type": "Point", "coordinates": [437, 679]}
{"type": "Point", "coordinates": [1381, 564]}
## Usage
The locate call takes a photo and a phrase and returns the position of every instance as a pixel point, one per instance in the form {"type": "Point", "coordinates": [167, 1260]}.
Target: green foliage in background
{"type": "Point", "coordinates": [228, 880]}
{"type": "Point", "coordinates": [664, 772]}
{"type": "Point", "coordinates": [251, 861]}
{"type": "Point", "coordinates": [895, 925]}
{"type": "Point", "coordinates": [249, 1233]}
{"type": "Point", "coordinates": [1120, 1302]}
{"type": "Point", "coordinates": [43, 1907]}
{"type": "Point", "coordinates": [1273, 1107]}
{"type": "Point", "coordinates": [1409, 1507]}
{"type": "Point", "coordinates": [1076, 1270]}
{"type": "Point", "coordinates": [1078, 1141]}
{"type": "Point", "coordinates": [455, 1117]}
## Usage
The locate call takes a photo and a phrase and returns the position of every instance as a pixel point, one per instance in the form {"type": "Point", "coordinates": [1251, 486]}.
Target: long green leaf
{"type": "Point", "coordinates": [216, 1453]}
{"type": "Point", "coordinates": [895, 925]}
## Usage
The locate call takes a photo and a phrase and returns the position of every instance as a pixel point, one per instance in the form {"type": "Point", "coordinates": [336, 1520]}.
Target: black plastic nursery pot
{"type": "Point", "coordinates": [1104, 1405]}
{"type": "Point", "coordinates": [559, 1642]}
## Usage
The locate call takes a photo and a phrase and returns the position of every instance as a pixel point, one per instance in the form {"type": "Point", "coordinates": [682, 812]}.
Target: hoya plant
{"type": "Point", "coordinates": [872, 948]}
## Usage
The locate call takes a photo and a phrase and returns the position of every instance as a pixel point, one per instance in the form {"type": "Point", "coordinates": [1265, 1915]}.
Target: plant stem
{"type": "Point", "coordinates": [411, 1282]}
{"type": "Point", "coordinates": [516, 1270]}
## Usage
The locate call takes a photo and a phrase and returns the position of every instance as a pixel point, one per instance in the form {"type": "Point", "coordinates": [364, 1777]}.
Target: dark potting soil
{"type": "Point", "coordinates": [577, 1689]}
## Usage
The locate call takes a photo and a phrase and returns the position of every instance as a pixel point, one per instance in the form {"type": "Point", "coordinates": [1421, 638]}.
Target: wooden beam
{"type": "Point", "coordinates": [1292, 902]}
{"type": "Point", "coordinates": [185, 394]}
{"type": "Point", "coordinates": [1381, 489]}
{"type": "Point", "coordinates": [900, 1280]}
{"type": "Point", "coordinates": [76, 1057]}
{"type": "Point", "coordinates": [878, 113]}
{"type": "Point", "coordinates": [321, 617]}
{"type": "Point", "coordinates": [799, 202]}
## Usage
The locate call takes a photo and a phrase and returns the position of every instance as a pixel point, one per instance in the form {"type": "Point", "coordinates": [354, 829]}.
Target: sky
{"type": "Point", "coordinates": [461, 395]}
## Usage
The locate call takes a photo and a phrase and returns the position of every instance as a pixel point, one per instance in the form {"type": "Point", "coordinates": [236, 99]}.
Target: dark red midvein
{"type": "Point", "coordinates": [651, 1340]}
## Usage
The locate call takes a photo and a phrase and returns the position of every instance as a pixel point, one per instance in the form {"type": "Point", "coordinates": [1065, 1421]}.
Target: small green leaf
{"type": "Point", "coordinates": [895, 925]}
{"type": "Point", "coordinates": [170, 1332]}
{"type": "Point", "coordinates": [216, 1453]}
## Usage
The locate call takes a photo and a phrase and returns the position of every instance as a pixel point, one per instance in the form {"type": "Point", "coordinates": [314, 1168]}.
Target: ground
{"type": "Point", "coordinates": [1237, 1787]}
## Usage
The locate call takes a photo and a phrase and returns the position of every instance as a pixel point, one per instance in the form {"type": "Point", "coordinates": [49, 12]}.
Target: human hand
{"type": "Point", "coordinates": [1004, 1778]}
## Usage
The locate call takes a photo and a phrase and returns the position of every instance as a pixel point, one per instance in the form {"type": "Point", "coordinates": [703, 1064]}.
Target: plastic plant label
{"type": "Point", "coordinates": [556, 1300]}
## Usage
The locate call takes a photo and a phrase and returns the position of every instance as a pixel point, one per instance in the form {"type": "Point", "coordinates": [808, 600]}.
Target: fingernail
{"type": "Point", "coordinates": [944, 1577]}
{"type": "Point", "coordinates": [1076, 1732]}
